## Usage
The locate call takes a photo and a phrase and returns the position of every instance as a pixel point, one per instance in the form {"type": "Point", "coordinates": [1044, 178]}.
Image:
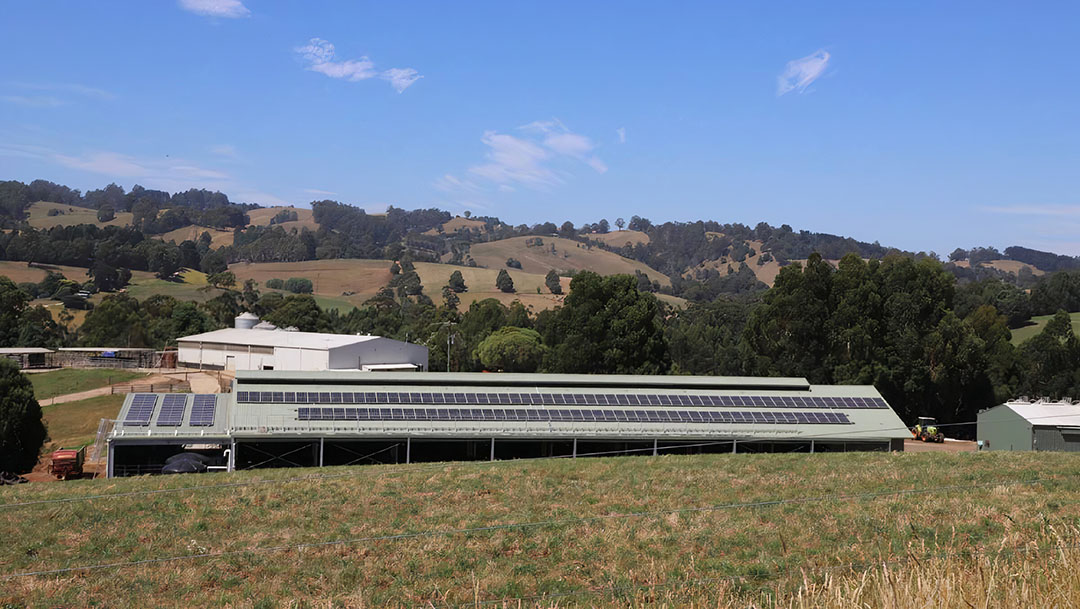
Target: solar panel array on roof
{"type": "Point", "coordinates": [203, 410]}
{"type": "Point", "coordinates": [570, 415]}
{"type": "Point", "coordinates": [172, 410]}
{"type": "Point", "coordinates": [141, 409]}
{"type": "Point", "coordinates": [555, 399]}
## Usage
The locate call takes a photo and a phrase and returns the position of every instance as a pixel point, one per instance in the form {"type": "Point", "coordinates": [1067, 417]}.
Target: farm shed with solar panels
{"type": "Point", "coordinates": [305, 419]}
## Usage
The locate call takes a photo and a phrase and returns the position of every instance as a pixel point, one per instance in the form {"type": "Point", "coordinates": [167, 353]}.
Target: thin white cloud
{"type": "Point", "coordinates": [316, 191]}
{"type": "Point", "coordinates": [1056, 211]}
{"type": "Point", "coordinates": [621, 132]}
{"type": "Point", "coordinates": [228, 9]}
{"type": "Point", "coordinates": [800, 73]}
{"type": "Point", "coordinates": [536, 159]}
{"type": "Point", "coordinates": [224, 150]}
{"type": "Point", "coordinates": [62, 87]}
{"type": "Point", "coordinates": [319, 55]}
{"type": "Point", "coordinates": [450, 183]}
{"type": "Point", "coordinates": [512, 159]}
{"type": "Point", "coordinates": [401, 78]}
{"type": "Point", "coordinates": [35, 101]}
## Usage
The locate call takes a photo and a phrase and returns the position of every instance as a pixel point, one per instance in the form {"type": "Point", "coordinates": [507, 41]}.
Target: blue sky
{"type": "Point", "coordinates": [921, 125]}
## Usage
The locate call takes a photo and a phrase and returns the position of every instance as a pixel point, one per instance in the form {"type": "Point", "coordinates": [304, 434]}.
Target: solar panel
{"type": "Point", "coordinates": [142, 408]}
{"type": "Point", "coordinates": [172, 410]}
{"type": "Point", "coordinates": [203, 410]}
{"type": "Point", "coordinates": [560, 399]}
{"type": "Point", "coordinates": [585, 415]}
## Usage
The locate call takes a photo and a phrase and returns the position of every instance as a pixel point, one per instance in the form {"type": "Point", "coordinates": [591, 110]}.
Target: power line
{"type": "Point", "coordinates": [532, 525]}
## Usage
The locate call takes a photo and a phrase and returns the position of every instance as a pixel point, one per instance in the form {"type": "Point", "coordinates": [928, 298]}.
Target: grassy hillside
{"type": "Point", "coordinates": [331, 278]}
{"type": "Point", "coordinates": [569, 255]}
{"type": "Point", "coordinates": [620, 238]}
{"type": "Point", "coordinates": [458, 223]}
{"type": "Point", "coordinates": [40, 218]}
{"type": "Point", "coordinates": [304, 217]}
{"type": "Point", "coordinates": [481, 284]}
{"type": "Point", "coordinates": [716, 531]}
{"type": "Point", "coordinates": [1020, 335]}
{"type": "Point", "coordinates": [218, 238]}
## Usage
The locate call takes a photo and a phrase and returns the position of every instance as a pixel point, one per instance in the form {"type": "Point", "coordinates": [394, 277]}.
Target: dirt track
{"type": "Point", "coordinates": [948, 446]}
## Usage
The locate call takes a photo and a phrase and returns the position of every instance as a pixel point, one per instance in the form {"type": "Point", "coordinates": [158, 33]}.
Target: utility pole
{"type": "Point", "coordinates": [449, 341]}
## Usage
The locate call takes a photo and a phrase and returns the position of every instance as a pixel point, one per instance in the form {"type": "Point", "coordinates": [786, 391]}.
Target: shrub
{"type": "Point", "coordinates": [275, 284]}
{"type": "Point", "coordinates": [299, 285]}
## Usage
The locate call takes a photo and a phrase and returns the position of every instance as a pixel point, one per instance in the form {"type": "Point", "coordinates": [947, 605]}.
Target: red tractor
{"type": "Point", "coordinates": [68, 463]}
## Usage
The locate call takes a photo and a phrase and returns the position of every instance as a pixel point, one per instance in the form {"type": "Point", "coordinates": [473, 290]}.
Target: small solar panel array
{"type": "Point", "coordinates": [203, 410]}
{"type": "Point", "coordinates": [570, 415]}
{"type": "Point", "coordinates": [141, 409]}
{"type": "Point", "coordinates": [555, 399]}
{"type": "Point", "coordinates": [172, 410]}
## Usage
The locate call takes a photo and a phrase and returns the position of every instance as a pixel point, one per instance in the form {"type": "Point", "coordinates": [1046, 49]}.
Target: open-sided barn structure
{"type": "Point", "coordinates": [281, 419]}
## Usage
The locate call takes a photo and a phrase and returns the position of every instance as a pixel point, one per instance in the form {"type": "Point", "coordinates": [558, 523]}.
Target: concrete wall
{"type": "Point", "coordinates": [378, 351]}
{"type": "Point", "coordinates": [295, 358]}
{"type": "Point", "coordinates": [221, 357]}
{"type": "Point", "coordinates": [1002, 429]}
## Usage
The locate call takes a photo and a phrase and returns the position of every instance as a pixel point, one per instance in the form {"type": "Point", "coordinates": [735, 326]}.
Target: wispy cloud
{"type": "Point", "coordinates": [228, 9]}
{"type": "Point", "coordinates": [33, 101]}
{"type": "Point", "coordinates": [1056, 211]}
{"type": "Point", "coordinates": [28, 94]}
{"type": "Point", "coordinates": [534, 158]}
{"type": "Point", "coordinates": [63, 87]}
{"type": "Point", "coordinates": [319, 55]}
{"type": "Point", "coordinates": [800, 73]}
{"type": "Point", "coordinates": [621, 132]}
{"type": "Point", "coordinates": [401, 78]}
{"type": "Point", "coordinates": [227, 151]}
{"type": "Point", "coordinates": [450, 183]}
{"type": "Point", "coordinates": [316, 191]}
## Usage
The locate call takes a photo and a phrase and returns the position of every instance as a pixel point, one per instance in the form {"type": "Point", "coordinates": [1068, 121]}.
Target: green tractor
{"type": "Point", "coordinates": [926, 430]}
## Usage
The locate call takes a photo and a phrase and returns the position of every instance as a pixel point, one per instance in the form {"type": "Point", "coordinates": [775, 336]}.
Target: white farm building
{"type": "Point", "coordinates": [252, 345]}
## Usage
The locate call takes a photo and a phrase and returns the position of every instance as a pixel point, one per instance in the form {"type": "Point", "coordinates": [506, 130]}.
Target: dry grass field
{"type": "Point", "coordinates": [304, 219]}
{"type": "Point", "coordinates": [481, 284]}
{"type": "Point", "coordinates": [569, 255]}
{"type": "Point", "coordinates": [21, 272]}
{"type": "Point", "coordinates": [458, 223]}
{"type": "Point", "coordinates": [40, 218]}
{"type": "Point", "coordinates": [331, 278]}
{"type": "Point", "coordinates": [218, 238]}
{"type": "Point", "coordinates": [620, 238]}
{"type": "Point", "coordinates": [720, 531]}
{"type": "Point", "coordinates": [1008, 266]}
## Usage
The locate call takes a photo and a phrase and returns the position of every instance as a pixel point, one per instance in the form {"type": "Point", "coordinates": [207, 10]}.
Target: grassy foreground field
{"type": "Point", "coordinates": [826, 530]}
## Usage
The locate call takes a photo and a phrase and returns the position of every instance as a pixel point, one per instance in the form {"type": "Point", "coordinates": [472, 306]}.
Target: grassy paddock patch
{"type": "Point", "coordinates": [578, 550]}
{"type": "Point", "coordinates": [75, 423]}
{"type": "Point", "coordinates": [72, 380]}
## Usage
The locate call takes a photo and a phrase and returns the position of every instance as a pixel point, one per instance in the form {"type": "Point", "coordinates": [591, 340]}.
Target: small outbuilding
{"type": "Point", "coordinates": [27, 357]}
{"type": "Point", "coordinates": [1027, 425]}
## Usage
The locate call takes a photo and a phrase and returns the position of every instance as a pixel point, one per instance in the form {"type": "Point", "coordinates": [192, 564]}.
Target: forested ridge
{"type": "Point", "coordinates": [933, 336]}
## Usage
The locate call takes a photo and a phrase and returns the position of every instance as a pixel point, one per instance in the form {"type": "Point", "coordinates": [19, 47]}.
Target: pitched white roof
{"type": "Point", "coordinates": [24, 350]}
{"type": "Point", "coordinates": [1048, 413]}
{"type": "Point", "coordinates": [276, 338]}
